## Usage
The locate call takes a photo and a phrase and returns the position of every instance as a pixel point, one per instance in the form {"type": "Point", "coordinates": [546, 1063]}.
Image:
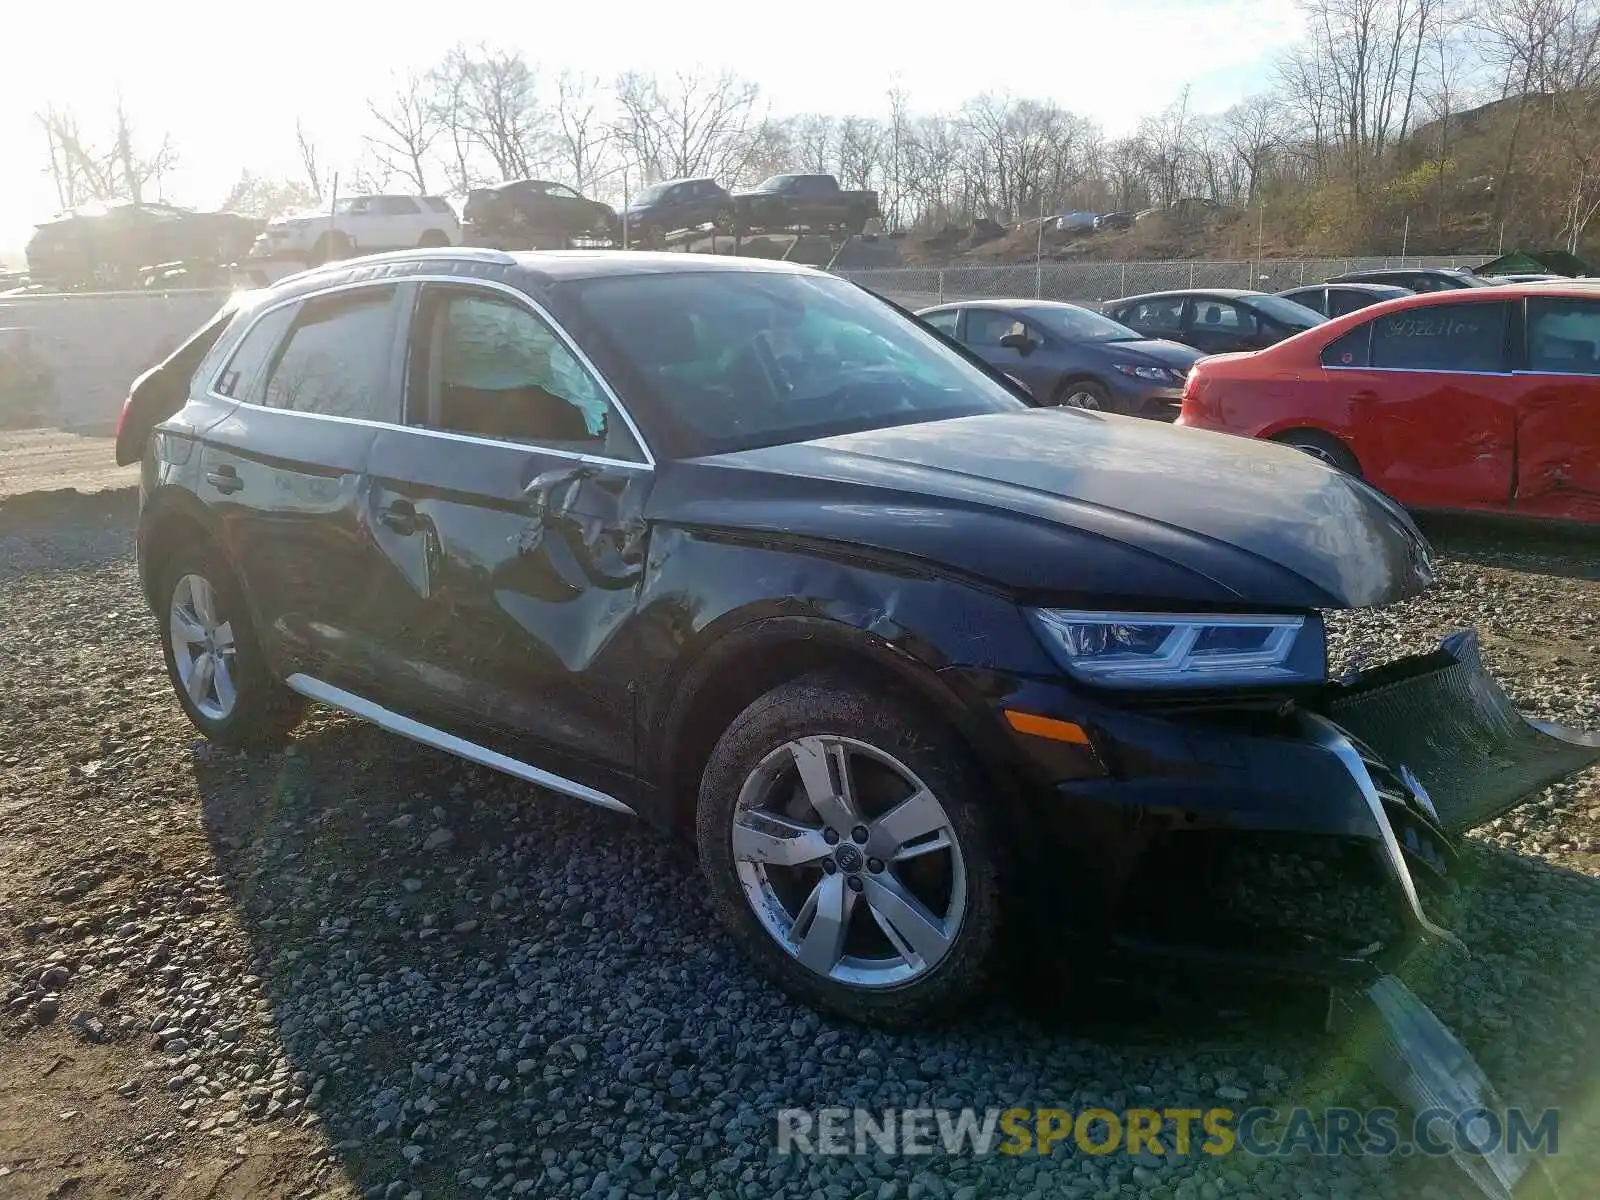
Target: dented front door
{"type": "Point", "coordinates": [510, 576]}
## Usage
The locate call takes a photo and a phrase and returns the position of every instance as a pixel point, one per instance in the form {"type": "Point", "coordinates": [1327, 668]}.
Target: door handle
{"type": "Point", "coordinates": [401, 517]}
{"type": "Point", "coordinates": [224, 478]}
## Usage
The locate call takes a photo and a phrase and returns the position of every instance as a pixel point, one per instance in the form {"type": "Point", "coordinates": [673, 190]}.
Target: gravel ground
{"type": "Point", "coordinates": [361, 968]}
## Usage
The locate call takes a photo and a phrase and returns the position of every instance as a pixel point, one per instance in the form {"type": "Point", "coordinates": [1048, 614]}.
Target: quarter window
{"type": "Point", "coordinates": [1443, 337]}
{"type": "Point", "coordinates": [493, 368]}
{"type": "Point", "coordinates": [241, 378]}
{"type": "Point", "coordinates": [1350, 349]}
{"type": "Point", "coordinates": [1564, 336]}
{"type": "Point", "coordinates": [336, 362]}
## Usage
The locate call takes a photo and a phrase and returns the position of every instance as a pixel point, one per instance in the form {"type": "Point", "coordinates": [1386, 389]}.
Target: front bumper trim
{"type": "Point", "coordinates": [1324, 733]}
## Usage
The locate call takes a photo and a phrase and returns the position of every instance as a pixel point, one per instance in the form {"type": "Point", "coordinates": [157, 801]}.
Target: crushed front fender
{"type": "Point", "coordinates": [1443, 720]}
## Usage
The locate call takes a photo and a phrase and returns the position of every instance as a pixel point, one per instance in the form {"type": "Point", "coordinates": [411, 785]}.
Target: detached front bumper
{"type": "Point", "coordinates": [1308, 841]}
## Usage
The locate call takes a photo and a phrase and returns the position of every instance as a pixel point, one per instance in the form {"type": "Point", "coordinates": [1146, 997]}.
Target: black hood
{"type": "Point", "coordinates": [1062, 505]}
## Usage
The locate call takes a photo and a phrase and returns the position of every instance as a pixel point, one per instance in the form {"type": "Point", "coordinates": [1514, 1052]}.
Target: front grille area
{"type": "Point", "coordinates": [1264, 892]}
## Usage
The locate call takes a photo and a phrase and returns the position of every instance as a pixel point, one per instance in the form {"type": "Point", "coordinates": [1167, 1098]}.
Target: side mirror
{"type": "Point", "coordinates": [1020, 342]}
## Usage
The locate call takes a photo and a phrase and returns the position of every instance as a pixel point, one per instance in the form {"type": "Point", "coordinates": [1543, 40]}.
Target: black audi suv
{"type": "Point", "coordinates": [748, 552]}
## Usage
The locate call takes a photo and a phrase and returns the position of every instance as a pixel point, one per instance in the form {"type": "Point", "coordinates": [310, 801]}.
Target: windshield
{"type": "Point", "coordinates": [651, 194]}
{"type": "Point", "coordinates": [733, 359]}
{"type": "Point", "coordinates": [1080, 325]}
{"type": "Point", "coordinates": [1287, 312]}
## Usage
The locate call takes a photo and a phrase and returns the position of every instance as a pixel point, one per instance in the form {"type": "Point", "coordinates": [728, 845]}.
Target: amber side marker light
{"type": "Point", "coordinates": [1047, 727]}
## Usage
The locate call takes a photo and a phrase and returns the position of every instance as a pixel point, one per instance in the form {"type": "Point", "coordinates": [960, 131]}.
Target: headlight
{"type": "Point", "coordinates": [1155, 650]}
{"type": "Point", "coordinates": [1138, 371]}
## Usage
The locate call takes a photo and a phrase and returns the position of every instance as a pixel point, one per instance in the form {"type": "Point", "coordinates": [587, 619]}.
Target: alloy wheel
{"type": "Point", "coordinates": [1082, 399]}
{"type": "Point", "coordinates": [203, 647]}
{"type": "Point", "coordinates": [849, 861]}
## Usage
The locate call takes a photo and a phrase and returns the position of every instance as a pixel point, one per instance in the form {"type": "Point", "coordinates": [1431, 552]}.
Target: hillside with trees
{"type": "Point", "coordinates": [1429, 126]}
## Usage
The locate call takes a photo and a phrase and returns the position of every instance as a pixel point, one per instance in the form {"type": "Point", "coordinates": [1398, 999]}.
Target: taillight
{"type": "Point", "coordinates": [122, 417]}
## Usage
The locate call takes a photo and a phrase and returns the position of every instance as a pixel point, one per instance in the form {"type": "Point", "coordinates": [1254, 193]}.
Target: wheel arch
{"type": "Point", "coordinates": [749, 657]}
{"type": "Point", "coordinates": [1078, 375]}
{"type": "Point", "coordinates": [1288, 430]}
{"type": "Point", "coordinates": [170, 515]}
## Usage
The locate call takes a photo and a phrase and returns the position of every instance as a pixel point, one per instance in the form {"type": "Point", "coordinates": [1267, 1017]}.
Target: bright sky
{"type": "Point", "coordinates": [227, 83]}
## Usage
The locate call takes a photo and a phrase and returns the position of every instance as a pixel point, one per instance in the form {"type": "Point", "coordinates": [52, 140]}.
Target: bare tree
{"type": "Point", "coordinates": [309, 164]}
{"type": "Point", "coordinates": [1253, 129]}
{"type": "Point", "coordinates": [488, 101]}
{"type": "Point", "coordinates": [257, 196]}
{"type": "Point", "coordinates": [583, 139]}
{"type": "Point", "coordinates": [84, 172]}
{"type": "Point", "coordinates": [691, 124]}
{"type": "Point", "coordinates": [408, 125]}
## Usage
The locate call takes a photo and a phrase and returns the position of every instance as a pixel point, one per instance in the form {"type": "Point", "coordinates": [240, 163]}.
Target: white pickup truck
{"type": "Point", "coordinates": [359, 225]}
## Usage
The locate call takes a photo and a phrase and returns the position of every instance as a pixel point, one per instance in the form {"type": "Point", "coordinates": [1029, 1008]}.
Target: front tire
{"type": "Point", "coordinates": [1084, 393]}
{"type": "Point", "coordinates": [213, 659]}
{"type": "Point", "coordinates": [845, 849]}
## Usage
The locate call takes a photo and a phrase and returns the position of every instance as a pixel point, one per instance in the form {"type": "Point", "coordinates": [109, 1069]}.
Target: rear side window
{"type": "Point", "coordinates": [394, 206]}
{"type": "Point", "coordinates": [336, 361]}
{"type": "Point", "coordinates": [1349, 349]}
{"type": "Point", "coordinates": [1445, 337]}
{"type": "Point", "coordinates": [1223, 317]}
{"type": "Point", "coordinates": [1310, 297]}
{"type": "Point", "coordinates": [1564, 336]}
{"type": "Point", "coordinates": [945, 322]}
{"type": "Point", "coordinates": [241, 378]}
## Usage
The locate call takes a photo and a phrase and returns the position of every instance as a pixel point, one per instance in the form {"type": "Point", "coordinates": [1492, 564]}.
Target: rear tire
{"type": "Point", "coordinates": [910, 839]}
{"type": "Point", "coordinates": [213, 657]}
{"type": "Point", "coordinates": [1323, 447]}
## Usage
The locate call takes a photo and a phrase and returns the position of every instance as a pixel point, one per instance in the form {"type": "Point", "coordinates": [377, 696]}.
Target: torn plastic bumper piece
{"type": "Point", "coordinates": [1424, 1066]}
{"type": "Point", "coordinates": [1442, 719]}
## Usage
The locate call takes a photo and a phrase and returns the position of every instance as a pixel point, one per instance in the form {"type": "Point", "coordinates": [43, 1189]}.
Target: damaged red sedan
{"type": "Point", "coordinates": [1478, 400]}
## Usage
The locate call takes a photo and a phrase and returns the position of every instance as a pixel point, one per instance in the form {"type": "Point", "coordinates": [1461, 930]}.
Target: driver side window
{"type": "Point", "coordinates": [986, 326]}
{"type": "Point", "coordinates": [485, 365]}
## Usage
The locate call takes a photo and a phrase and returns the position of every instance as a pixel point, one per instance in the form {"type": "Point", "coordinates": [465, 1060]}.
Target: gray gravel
{"type": "Point", "coordinates": [431, 981]}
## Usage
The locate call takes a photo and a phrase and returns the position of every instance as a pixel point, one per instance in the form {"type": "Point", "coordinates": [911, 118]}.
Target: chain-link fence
{"type": "Point", "coordinates": [1097, 282]}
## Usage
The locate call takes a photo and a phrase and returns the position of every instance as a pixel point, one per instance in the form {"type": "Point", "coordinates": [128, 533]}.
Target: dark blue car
{"type": "Point", "coordinates": [1069, 355]}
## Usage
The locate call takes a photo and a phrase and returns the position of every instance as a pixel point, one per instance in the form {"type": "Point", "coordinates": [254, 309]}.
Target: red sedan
{"type": "Point", "coordinates": [1482, 399]}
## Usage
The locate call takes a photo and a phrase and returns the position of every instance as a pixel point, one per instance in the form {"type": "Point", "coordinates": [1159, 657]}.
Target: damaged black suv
{"type": "Point", "coordinates": [749, 552]}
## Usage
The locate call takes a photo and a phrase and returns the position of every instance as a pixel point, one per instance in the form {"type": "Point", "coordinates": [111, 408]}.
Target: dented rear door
{"type": "Point", "coordinates": [1558, 410]}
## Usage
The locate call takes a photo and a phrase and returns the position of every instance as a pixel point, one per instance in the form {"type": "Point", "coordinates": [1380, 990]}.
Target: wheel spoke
{"type": "Point", "coordinates": [822, 923]}
{"type": "Point", "coordinates": [186, 627]}
{"type": "Point", "coordinates": [199, 682]}
{"type": "Point", "coordinates": [916, 931]}
{"type": "Point", "coordinates": [767, 838]}
{"type": "Point", "coordinates": [204, 607]}
{"type": "Point", "coordinates": [913, 819]}
{"type": "Point", "coordinates": [222, 680]}
{"type": "Point", "coordinates": [222, 636]}
{"type": "Point", "coordinates": [932, 845]}
{"type": "Point", "coordinates": [825, 775]}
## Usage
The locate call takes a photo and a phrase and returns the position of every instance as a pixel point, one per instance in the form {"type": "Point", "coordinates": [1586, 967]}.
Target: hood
{"type": "Point", "coordinates": [1156, 350]}
{"type": "Point", "coordinates": [1066, 506]}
